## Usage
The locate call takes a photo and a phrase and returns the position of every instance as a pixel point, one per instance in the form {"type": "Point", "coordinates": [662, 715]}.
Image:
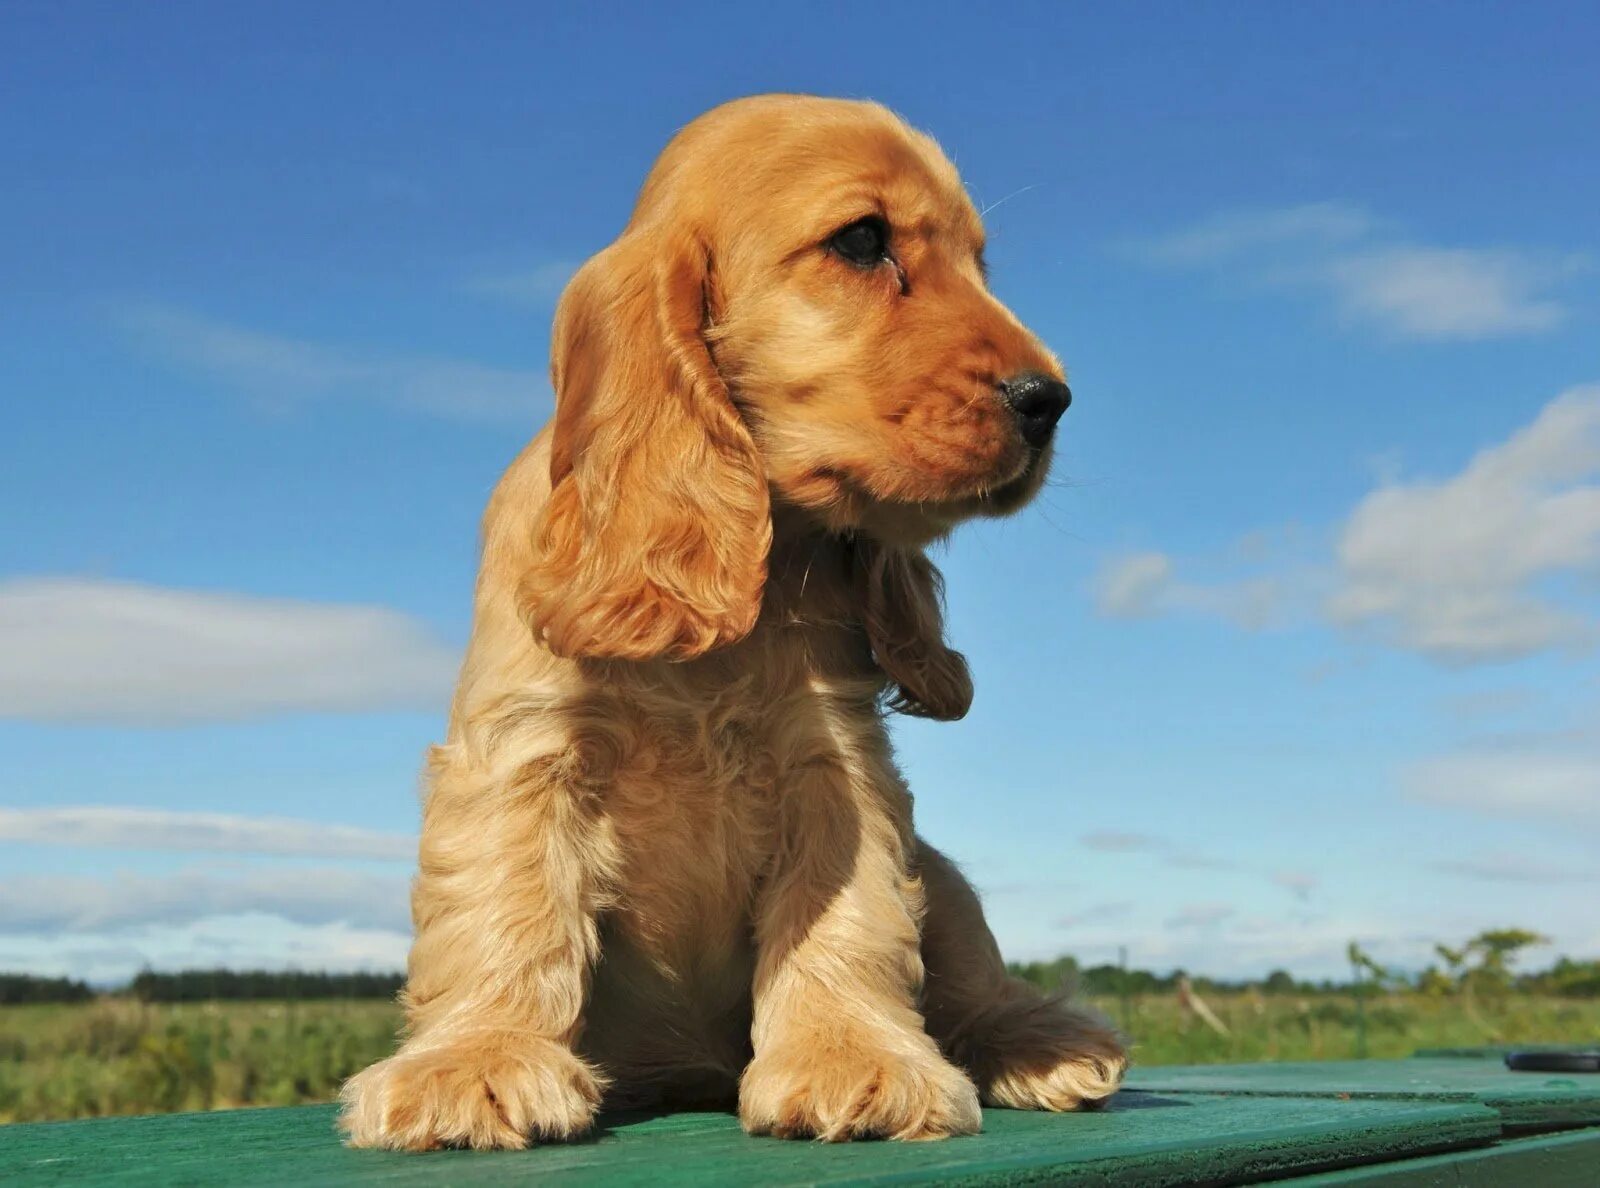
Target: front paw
{"type": "Point", "coordinates": [487, 1091]}
{"type": "Point", "coordinates": [865, 1088]}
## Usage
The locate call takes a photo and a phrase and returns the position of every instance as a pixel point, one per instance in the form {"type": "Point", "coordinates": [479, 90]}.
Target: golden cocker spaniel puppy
{"type": "Point", "coordinates": [666, 855]}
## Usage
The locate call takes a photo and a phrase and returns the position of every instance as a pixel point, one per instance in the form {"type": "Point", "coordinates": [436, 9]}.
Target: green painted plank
{"type": "Point", "coordinates": [1524, 1100]}
{"type": "Point", "coordinates": [1569, 1160]}
{"type": "Point", "coordinates": [1143, 1139]}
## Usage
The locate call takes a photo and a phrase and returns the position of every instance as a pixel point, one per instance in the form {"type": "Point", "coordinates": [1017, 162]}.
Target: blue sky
{"type": "Point", "coordinates": [1298, 648]}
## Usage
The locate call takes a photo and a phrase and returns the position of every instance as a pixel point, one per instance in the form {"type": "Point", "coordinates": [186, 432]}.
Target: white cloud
{"type": "Point", "coordinates": [159, 829]}
{"type": "Point", "coordinates": [1237, 925]}
{"type": "Point", "coordinates": [1231, 233]}
{"type": "Point", "coordinates": [1439, 293]}
{"type": "Point", "coordinates": [289, 371]}
{"type": "Point", "coordinates": [1450, 568]}
{"type": "Point", "coordinates": [49, 904]}
{"type": "Point", "coordinates": [1407, 290]}
{"type": "Point", "coordinates": [1552, 788]}
{"type": "Point", "coordinates": [105, 651]}
{"type": "Point", "coordinates": [1462, 570]}
{"type": "Point", "coordinates": [243, 941]}
{"type": "Point", "coordinates": [540, 285]}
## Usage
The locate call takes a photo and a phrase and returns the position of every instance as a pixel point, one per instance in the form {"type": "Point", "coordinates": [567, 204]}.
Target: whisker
{"type": "Point", "coordinates": [1007, 198]}
{"type": "Point", "coordinates": [1045, 516]}
{"type": "Point", "coordinates": [977, 395]}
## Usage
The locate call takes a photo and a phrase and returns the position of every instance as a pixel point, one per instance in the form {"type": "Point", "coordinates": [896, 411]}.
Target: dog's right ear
{"type": "Point", "coordinates": [655, 537]}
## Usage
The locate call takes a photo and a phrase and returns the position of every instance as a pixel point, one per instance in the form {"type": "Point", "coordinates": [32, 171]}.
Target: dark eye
{"type": "Point", "coordinates": [864, 242]}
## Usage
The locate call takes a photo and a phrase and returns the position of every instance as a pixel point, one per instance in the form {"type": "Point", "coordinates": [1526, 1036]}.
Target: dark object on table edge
{"type": "Point", "coordinates": [1562, 1062]}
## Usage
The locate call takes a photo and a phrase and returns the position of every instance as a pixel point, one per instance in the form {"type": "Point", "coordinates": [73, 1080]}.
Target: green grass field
{"type": "Point", "coordinates": [118, 1056]}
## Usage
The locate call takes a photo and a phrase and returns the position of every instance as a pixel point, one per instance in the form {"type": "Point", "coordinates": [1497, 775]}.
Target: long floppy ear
{"type": "Point", "coordinates": [654, 540]}
{"type": "Point", "coordinates": [902, 596]}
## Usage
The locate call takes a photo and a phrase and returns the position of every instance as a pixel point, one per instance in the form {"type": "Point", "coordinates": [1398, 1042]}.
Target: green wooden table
{"type": "Point", "coordinates": [1282, 1122]}
{"type": "Point", "coordinates": [1525, 1101]}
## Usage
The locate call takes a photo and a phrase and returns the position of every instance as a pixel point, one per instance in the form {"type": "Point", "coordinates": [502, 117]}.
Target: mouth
{"type": "Point", "coordinates": [1015, 491]}
{"type": "Point", "coordinates": [846, 501]}
{"type": "Point", "coordinates": [1000, 499]}
{"type": "Point", "coordinates": [1037, 461]}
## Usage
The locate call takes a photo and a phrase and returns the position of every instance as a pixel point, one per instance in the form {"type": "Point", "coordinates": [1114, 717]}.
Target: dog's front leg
{"type": "Point", "coordinates": [512, 864]}
{"type": "Point", "coordinates": [840, 1048]}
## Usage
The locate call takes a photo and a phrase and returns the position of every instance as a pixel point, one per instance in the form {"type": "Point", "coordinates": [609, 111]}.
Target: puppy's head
{"type": "Point", "coordinates": [889, 391]}
{"type": "Point", "coordinates": [797, 310]}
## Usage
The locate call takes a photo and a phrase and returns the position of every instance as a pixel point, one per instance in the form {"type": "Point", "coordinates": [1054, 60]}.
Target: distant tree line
{"type": "Point", "coordinates": [1064, 974]}
{"type": "Point", "coordinates": [1480, 968]}
{"type": "Point", "coordinates": [204, 985]}
{"type": "Point", "coordinates": [22, 989]}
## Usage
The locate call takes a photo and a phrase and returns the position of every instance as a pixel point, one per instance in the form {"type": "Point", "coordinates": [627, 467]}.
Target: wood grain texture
{"type": "Point", "coordinates": [1567, 1160]}
{"type": "Point", "coordinates": [1525, 1101]}
{"type": "Point", "coordinates": [1143, 1139]}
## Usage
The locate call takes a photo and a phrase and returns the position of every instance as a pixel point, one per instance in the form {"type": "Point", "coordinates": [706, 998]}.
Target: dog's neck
{"type": "Point", "coordinates": [810, 572]}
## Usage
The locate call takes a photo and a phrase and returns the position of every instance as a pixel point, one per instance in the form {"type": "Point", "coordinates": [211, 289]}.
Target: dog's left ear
{"type": "Point", "coordinates": [902, 597]}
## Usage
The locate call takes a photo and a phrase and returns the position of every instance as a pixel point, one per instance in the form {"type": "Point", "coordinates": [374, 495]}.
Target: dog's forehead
{"type": "Point", "coordinates": [851, 171]}
{"type": "Point", "coordinates": [811, 158]}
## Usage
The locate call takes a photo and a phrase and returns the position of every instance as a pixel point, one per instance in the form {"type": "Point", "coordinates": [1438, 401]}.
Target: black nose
{"type": "Point", "coordinates": [1038, 400]}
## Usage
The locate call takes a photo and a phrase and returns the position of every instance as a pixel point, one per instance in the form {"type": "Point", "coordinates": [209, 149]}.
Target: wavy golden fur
{"type": "Point", "coordinates": [666, 855]}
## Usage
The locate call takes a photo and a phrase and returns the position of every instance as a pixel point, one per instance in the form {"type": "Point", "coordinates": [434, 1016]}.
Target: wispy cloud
{"type": "Point", "coordinates": [285, 372]}
{"type": "Point", "coordinates": [1300, 883]}
{"type": "Point", "coordinates": [1201, 915]}
{"type": "Point", "coordinates": [1134, 586]}
{"type": "Point", "coordinates": [1233, 233]}
{"type": "Point", "coordinates": [1111, 841]}
{"type": "Point", "coordinates": [1143, 585]}
{"type": "Point", "coordinates": [1515, 868]}
{"type": "Point", "coordinates": [1184, 860]}
{"type": "Point", "coordinates": [33, 904]}
{"type": "Point", "coordinates": [1487, 703]}
{"type": "Point", "coordinates": [107, 827]}
{"type": "Point", "coordinates": [1178, 857]}
{"type": "Point", "coordinates": [1098, 913]}
{"type": "Point", "coordinates": [1555, 788]}
{"type": "Point", "coordinates": [1403, 289]}
{"type": "Point", "coordinates": [104, 651]}
{"type": "Point", "coordinates": [538, 286]}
